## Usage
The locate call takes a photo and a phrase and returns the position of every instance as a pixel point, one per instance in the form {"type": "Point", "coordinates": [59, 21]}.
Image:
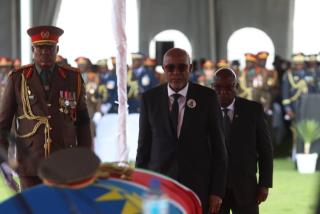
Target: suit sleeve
{"type": "Point", "coordinates": [83, 121]}
{"type": "Point", "coordinates": [8, 109]}
{"type": "Point", "coordinates": [264, 148]}
{"type": "Point", "coordinates": [145, 137]}
{"type": "Point", "coordinates": [219, 152]}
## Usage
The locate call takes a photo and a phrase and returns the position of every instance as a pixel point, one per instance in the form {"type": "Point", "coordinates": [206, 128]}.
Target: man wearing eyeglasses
{"type": "Point", "coordinates": [248, 142]}
{"type": "Point", "coordinates": [181, 133]}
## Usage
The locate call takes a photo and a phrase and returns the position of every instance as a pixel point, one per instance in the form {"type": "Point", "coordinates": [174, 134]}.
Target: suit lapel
{"type": "Point", "coordinates": [237, 116]}
{"type": "Point", "coordinates": [165, 109]}
{"type": "Point", "coordinates": [36, 88]}
{"type": "Point", "coordinates": [187, 111]}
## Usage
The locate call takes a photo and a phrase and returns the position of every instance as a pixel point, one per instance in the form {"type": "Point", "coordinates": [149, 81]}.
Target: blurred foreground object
{"type": "Point", "coordinates": [84, 186]}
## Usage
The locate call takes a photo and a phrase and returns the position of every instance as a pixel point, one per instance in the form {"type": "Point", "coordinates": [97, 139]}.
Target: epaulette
{"type": "Point", "coordinates": [21, 69]}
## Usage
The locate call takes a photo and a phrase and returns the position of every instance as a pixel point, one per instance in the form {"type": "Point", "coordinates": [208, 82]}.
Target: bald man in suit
{"type": "Point", "coordinates": [181, 133]}
{"type": "Point", "coordinates": [248, 144]}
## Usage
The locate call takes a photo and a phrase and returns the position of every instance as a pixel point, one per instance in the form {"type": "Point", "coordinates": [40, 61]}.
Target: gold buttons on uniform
{"type": "Point", "coordinates": [49, 104]}
{"type": "Point", "coordinates": [49, 116]}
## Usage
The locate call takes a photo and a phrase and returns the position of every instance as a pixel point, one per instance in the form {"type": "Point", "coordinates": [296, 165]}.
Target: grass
{"type": "Point", "coordinates": [5, 191]}
{"type": "Point", "coordinates": [292, 193]}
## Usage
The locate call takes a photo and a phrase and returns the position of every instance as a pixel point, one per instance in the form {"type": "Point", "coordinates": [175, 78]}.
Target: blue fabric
{"type": "Point", "coordinates": [105, 196]}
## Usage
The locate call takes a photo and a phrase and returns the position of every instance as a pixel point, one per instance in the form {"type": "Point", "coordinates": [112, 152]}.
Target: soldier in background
{"type": "Point", "coordinates": [246, 80]}
{"type": "Point", "coordinates": [17, 63]}
{"type": "Point", "coordinates": [62, 61]}
{"type": "Point", "coordinates": [133, 92]}
{"type": "Point", "coordinates": [222, 63]}
{"type": "Point", "coordinates": [103, 72]}
{"type": "Point", "coordinates": [109, 105]}
{"type": "Point", "coordinates": [5, 67]}
{"type": "Point", "coordinates": [313, 71]}
{"type": "Point", "coordinates": [267, 92]}
{"type": "Point", "coordinates": [235, 66]}
{"type": "Point", "coordinates": [84, 65]}
{"type": "Point", "coordinates": [206, 79]}
{"type": "Point", "coordinates": [144, 76]}
{"type": "Point", "coordinates": [91, 80]}
{"type": "Point", "coordinates": [294, 86]}
{"type": "Point", "coordinates": [151, 64]}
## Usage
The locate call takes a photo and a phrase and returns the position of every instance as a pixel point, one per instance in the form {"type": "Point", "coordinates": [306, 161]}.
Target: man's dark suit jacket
{"type": "Point", "coordinates": [198, 157]}
{"type": "Point", "coordinates": [250, 145]}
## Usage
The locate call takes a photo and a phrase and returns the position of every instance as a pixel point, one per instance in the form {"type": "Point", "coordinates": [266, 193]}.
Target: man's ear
{"type": "Point", "coordinates": [57, 48]}
{"type": "Point", "coordinates": [32, 49]}
{"type": "Point", "coordinates": [190, 70]}
{"type": "Point", "coordinates": [237, 85]}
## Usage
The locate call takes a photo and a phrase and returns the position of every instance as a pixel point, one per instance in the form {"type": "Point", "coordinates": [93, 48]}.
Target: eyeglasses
{"type": "Point", "coordinates": [180, 67]}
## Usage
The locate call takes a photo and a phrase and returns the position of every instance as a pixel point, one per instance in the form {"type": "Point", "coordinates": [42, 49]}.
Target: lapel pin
{"type": "Point", "coordinates": [191, 103]}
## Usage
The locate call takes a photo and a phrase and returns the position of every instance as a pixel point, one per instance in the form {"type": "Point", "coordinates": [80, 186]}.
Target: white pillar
{"type": "Point", "coordinates": [118, 17]}
{"type": "Point", "coordinates": [25, 21]}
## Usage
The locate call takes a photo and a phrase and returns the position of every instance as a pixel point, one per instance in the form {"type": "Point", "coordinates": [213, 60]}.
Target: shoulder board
{"type": "Point", "coordinates": [21, 69]}
{"type": "Point", "coordinates": [68, 68]}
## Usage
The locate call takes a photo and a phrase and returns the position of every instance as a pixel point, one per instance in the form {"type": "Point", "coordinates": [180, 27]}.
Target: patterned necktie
{"type": "Point", "coordinates": [227, 125]}
{"type": "Point", "coordinates": [174, 114]}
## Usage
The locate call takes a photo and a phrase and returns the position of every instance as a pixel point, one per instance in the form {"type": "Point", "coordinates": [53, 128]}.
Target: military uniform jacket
{"type": "Point", "coordinates": [59, 119]}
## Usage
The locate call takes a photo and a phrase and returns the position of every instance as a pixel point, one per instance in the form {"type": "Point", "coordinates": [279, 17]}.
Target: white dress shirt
{"type": "Point", "coordinates": [230, 110]}
{"type": "Point", "coordinates": [182, 103]}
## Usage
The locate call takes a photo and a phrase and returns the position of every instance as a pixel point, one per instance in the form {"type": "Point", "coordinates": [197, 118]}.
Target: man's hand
{"type": "Point", "coordinates": [262, 194]}
{"type": "Point", "coordinates": [214, 203]}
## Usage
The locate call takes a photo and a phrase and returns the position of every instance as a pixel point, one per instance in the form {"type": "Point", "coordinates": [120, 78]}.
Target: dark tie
{"type": "Point", "coordinates": [45, 79]}
{"type": "Point", "coordinates": [227, 125]}
{"type": "Point", "coordinates": [174, 114]}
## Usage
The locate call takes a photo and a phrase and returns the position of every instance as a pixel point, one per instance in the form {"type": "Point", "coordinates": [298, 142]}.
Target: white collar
{"type": "Point", "coordinates": [182, 92]}
{"type": "Point", "coordinates": [231, 106]}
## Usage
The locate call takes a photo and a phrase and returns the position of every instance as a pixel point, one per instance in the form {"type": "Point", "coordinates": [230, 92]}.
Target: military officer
{"type": "Point", "coordinates": [294, 86]}
{"type": "Point", "coordinates": [103, 72]}
{"type": "Point", "coordinates": [206, 79]}
{"type": "Point", "coordinates": [17, 63]}
{"type": "Point", "coordinates": [313, 71]}
{"type": "Point", "coordinates": [5, 67]}
{"type": "Point", "coordinates": [91, 80]}
{"type": "Point", "coordinates": [248, 78]}
{"type": "Point", "coordinates": [222, 63]}
{"type": "Point", "coordinates": [48, 103]}
{"type": "Point", "coordinates": [61, 60]}
{"type": "Point", "coordinates": [109, 81]}
{"type": "Point", "coordinates": [145, 77]}
{"type": "Point", "coordinates": [267, 91]}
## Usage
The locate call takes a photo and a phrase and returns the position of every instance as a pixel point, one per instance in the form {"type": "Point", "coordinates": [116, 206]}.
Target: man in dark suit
{"type": "Point", "coordinates": [248, 143]}
{"type": "Point", "coordinates": [181, 133]}
{"type": "Point", "coordinates": [48, 104]}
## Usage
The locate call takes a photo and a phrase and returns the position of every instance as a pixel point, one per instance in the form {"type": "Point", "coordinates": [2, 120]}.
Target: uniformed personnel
{"type": "Point", "coordinates": [48, 103]}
